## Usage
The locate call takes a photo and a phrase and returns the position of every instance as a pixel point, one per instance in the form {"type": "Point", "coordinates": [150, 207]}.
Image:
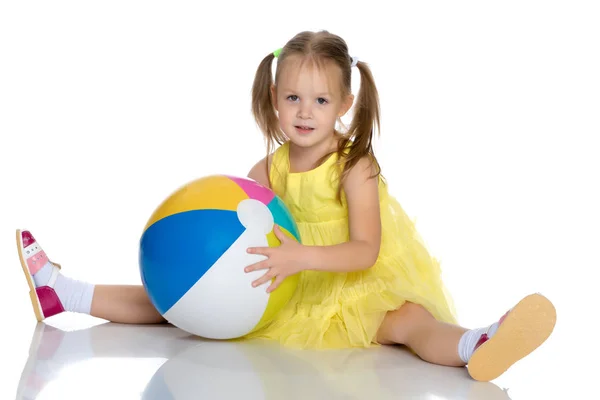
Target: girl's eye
{"type": "Point", "coordinates": [293, 97]}
{"type": "Point", "coordinates": [322, 101]}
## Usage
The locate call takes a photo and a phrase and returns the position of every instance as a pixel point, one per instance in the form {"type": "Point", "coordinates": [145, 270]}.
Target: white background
{"type": "Point", "coordinates": [490, 128]}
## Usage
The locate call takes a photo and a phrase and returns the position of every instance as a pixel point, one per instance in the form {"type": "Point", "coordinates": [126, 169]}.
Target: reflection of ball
{"type": "Point", "coordinates": [193, 254]}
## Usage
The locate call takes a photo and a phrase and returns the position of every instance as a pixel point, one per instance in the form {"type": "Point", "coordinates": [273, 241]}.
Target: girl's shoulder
{"type": "Point", "coordinates": [261, 170]}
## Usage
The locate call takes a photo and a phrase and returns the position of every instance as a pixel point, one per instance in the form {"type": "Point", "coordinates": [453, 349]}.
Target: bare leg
{"type": "Point", "coordinates": [127, 304]}
{"type": "Point", "coordinates": [488, 351]}
{"type": "Point", "coordinates": [51, 292]}
{"type": "Point", "coordinates": [433, 341]}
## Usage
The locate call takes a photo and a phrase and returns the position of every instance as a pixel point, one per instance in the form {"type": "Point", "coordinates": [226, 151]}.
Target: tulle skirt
{"type": "Point", "coordinates": [343, 310]}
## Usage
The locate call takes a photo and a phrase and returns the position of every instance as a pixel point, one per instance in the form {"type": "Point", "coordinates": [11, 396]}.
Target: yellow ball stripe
{"type": "Point", "coordinates": [213, 192]}
{"type": "Point", "coordinates": [282, 295]}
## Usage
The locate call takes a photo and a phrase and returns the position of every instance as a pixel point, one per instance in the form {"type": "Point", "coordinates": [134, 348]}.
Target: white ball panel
{"type": "Point", "coordinates": [255, 216]}
{"type": "Point", "coordinates": [223, 304]}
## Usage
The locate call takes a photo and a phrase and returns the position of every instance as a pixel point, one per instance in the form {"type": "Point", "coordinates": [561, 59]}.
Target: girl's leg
{"type": "Point", "coordinates": [433, 341]}
{"type": "Point", "coordinates": [488, 352]}
{"type": "Point", "coordinates": [52, 293]}
{"type": "Point", "coordinates": [127, 304]}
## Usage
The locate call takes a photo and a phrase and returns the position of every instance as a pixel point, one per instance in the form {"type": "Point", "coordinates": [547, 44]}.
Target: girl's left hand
{"type": "Point", "coordinates": [282, 261]}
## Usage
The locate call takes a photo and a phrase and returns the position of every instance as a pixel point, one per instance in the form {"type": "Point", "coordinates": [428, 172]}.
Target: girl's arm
{"type": "Point", "coordinates": [259, 171]}
{"type": "Point", "coordinates": [364, 220]}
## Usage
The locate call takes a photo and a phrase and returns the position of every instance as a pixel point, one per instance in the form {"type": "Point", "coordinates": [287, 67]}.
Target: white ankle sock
{"type": "Point", "coordinates": [466, 345]}
{"type": "Point", "coordinates": [75, 296]}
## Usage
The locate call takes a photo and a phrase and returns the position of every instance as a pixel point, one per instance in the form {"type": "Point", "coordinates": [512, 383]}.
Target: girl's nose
{"type": "Point", "coordinates": [304, 111]}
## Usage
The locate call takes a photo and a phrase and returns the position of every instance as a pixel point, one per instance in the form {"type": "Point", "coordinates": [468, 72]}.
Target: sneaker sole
{"type": "Point", "coordinates": [35, 303]}
{"type": "Point", "coordinates": [524, 329]}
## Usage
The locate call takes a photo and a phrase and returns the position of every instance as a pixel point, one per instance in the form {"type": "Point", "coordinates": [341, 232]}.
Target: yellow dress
{"type": "Point", "coordinates": [339, 309]}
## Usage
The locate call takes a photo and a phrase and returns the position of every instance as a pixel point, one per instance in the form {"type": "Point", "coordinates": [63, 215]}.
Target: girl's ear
{"type": "Point", "coordinates": [346, 105]}
{"type": "Point", "coordinates": [274, 97]}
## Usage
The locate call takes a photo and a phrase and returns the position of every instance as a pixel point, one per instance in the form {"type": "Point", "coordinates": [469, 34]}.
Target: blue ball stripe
{"type": "Point", "coordinates": [283, 217]}
{"type": "Point", "coordinates": [176, 251]}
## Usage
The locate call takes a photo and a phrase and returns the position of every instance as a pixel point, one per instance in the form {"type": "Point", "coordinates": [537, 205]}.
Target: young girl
{"type": "Point", "coordinates": [365, 276]}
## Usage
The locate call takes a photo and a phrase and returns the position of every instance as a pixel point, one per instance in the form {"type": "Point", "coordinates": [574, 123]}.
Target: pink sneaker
{"type": "Point", "coordinates": [44, 299]}
{"type": "Point", "coordinates": [521, 330]}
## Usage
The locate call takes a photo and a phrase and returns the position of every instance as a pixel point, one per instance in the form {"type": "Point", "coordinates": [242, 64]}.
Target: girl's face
{"type": "Point", "coordinates": [309, 103]}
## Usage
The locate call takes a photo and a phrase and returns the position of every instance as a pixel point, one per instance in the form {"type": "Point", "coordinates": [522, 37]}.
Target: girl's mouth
{"type": "Point", "coordinates": [304, 129]}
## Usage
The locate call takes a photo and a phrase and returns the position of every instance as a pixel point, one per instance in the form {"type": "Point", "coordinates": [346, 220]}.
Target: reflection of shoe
{"type": "Point", "coordinates": [38, 371]}
{"type": "Point", "coordinates": [44, 299]}
{"type": "Point", "coordinates": [523, 329]}
{"type": "Point", "coordinates": [487, 391]}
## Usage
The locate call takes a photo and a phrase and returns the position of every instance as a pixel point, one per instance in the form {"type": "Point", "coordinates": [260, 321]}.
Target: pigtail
{"type": "Point", "coordinates": [359, 141]}
{"type": "Point", "coordinates": [262, 104]}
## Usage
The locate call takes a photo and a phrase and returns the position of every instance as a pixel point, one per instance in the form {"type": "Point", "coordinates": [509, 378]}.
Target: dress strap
{"type": "Point", "coordinates": [280, 165]}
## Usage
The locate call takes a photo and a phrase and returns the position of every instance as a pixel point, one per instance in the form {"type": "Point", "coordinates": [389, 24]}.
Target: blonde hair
{"type": "Point", "coordinates": [322, 47]}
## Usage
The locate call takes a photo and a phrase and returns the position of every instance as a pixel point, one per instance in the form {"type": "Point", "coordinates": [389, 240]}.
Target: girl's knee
{"type": "Point", "coordinates": [399, 325]}
{"type": "Point", "coordinates": [411, 315]}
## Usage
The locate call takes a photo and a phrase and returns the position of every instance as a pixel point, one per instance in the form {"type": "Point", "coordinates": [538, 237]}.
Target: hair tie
{"type": "Point", "coordinates": [277, 52]}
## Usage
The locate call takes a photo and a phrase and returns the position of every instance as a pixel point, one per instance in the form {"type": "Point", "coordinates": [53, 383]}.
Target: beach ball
{"type": "Point", "coordinates": [193, 252]}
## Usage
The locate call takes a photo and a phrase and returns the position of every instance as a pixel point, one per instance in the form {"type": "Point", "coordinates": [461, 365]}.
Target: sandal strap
{"type": "Point", "coordinates": [53, 277]}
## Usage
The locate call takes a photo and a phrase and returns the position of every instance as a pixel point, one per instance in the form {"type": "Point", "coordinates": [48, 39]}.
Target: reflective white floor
{"type": "Point", "coordinates": [79, 357]}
